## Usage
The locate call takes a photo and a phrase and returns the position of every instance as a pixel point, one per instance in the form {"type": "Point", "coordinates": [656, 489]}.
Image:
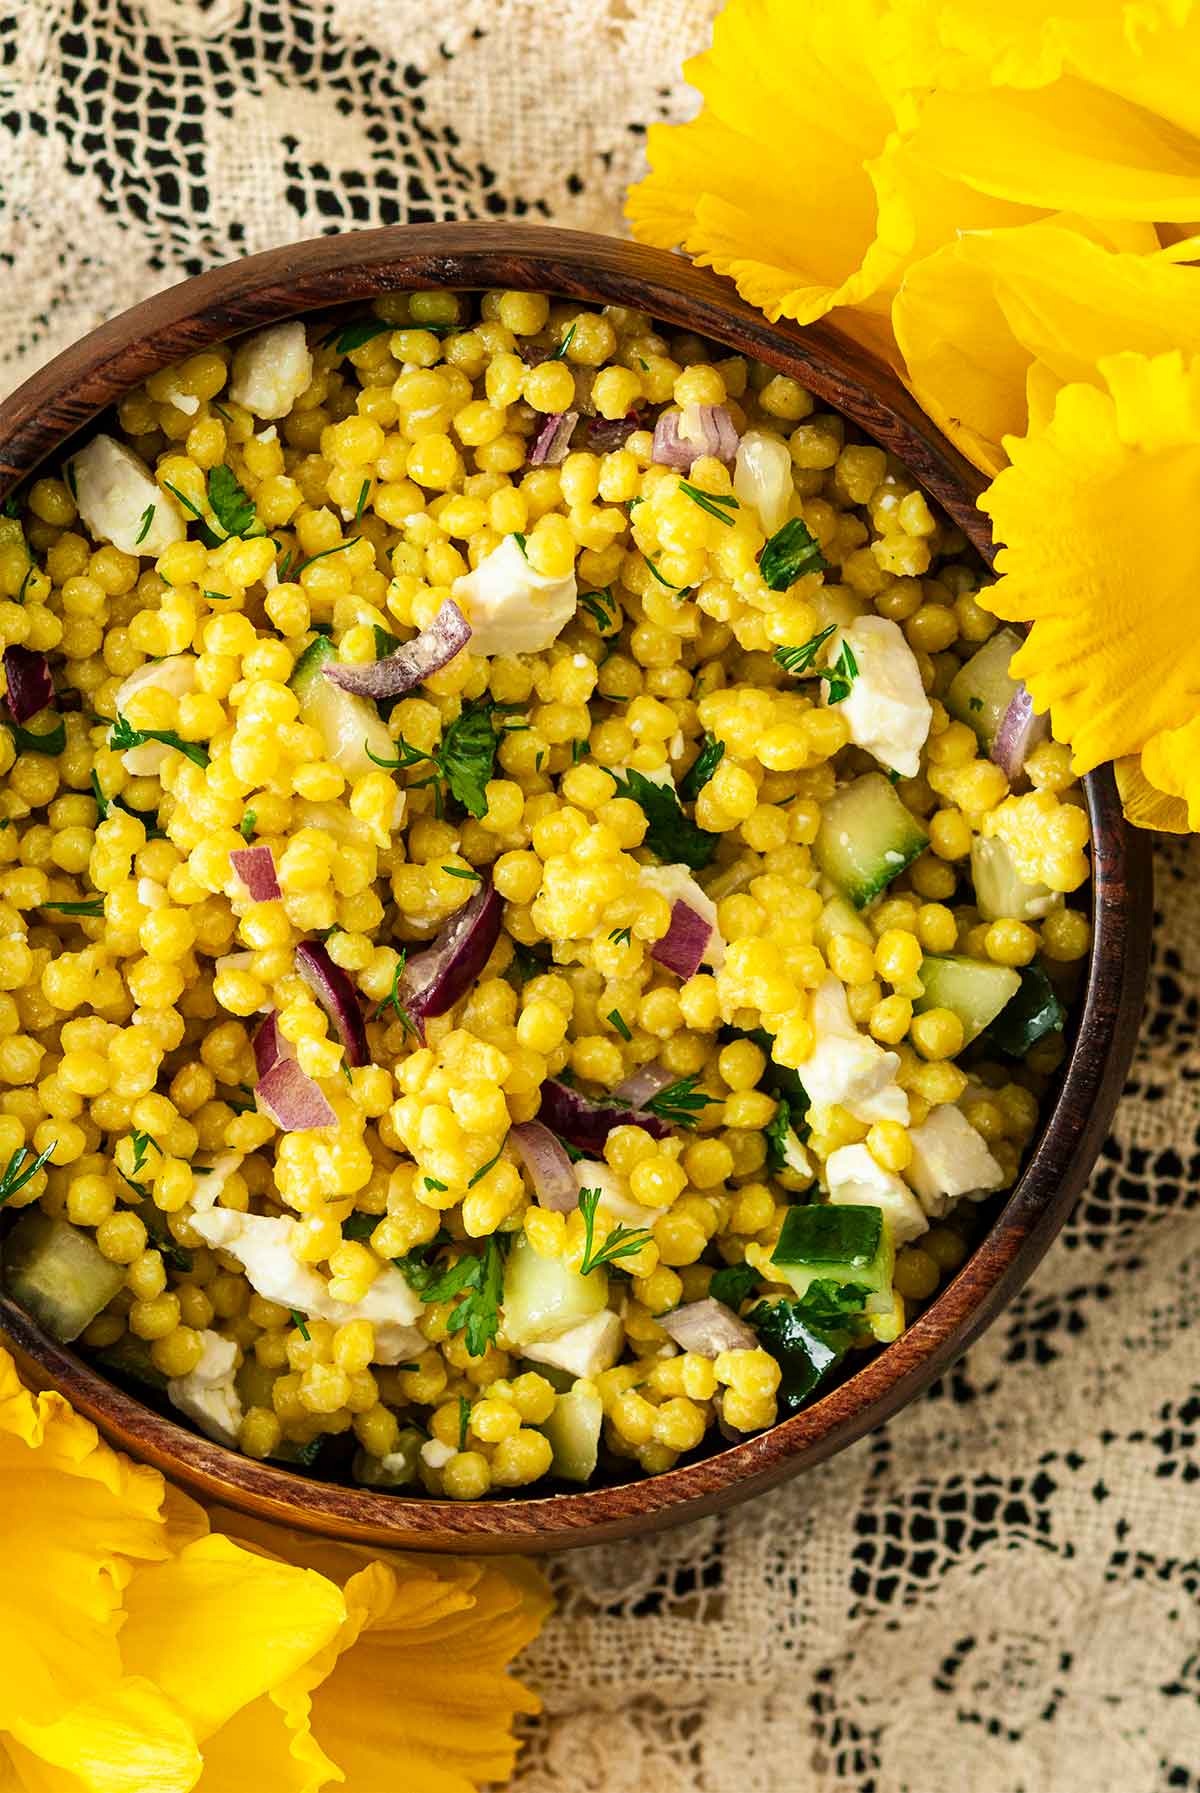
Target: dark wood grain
{"type": "Point", "coordinates": [73, 389]}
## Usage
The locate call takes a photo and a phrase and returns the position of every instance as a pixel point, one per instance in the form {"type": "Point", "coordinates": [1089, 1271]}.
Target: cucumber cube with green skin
{"type": "Point", "coordinates": [867, 837]}
{"type": "Point", "coordinates": [58, 1274]}
{"type": "Point", "coordinates": [1033, 1012]}
{"type": "Point", "coordinates": [1000, 892]}
{"type": "Point", "coordinates": [974, 991]}
{"type": "Point", "coordinates": [347, 723]}
{"type": "Point", "coordinates": [544, 1296]}
{"type": "Point", "coordinates": [573, 1430]}
{"type": "Point", "coordinates": [832, 1242]}
{"type": "Point", "coordinates": [981, 690]}
{"type": "Point", "coordinates": [840, 917]}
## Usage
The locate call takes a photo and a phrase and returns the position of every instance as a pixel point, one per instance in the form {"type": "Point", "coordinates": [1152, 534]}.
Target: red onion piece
{"type": "Point", "coordinates": [30, 687]}
{"type": "Point", "coordinates": [270, 1045]}
{"type": "Point", "coordinates": [447, 635]}
{"type": "Point", "coordinates": [534, 353]}
{"type": "Point", "coordinates": [545, 1158]}
{"type": "Point", "coordinates": [683, 946]}
{"type": "Point", "coordinates": [291, 1099]}
{"type": "Point", "coordinates": [337, 996]}
{"type": "Point", "coordinates": [1021, 729]}
{"type": "Point", "coordinates": [433, 980]}
{"type": "Point", "coordinates": [255, 866]}
{"type": "Point", "coordinates": [586, 1123]}
{"type": "Point", "coordinates": [671, 449]}
{"type": "Point", "coordinates": [641, 1085]}
{"type": "Point", "coordinates": [606, 433]}
{"type": "Point", "coordinates": [708, 1327]}
{"type": "Point", "coordinates": [553, 439]}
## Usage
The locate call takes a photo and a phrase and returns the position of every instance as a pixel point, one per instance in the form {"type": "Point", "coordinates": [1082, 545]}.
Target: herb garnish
{"type": "Point", "coordinates": [733, 1284]}
{"type": "Point", "coordinates": [436, 1183]}
{"type": "Point", "coordinates": [519, 539]}
{"type": "Point", "coordinates": [30, 570]}
{"type": "Point", "coordinates": [466, 758]}
{"type": "Point", "coordinates": [790, 553]}
{"type": "Point", "coordinates": [622, 936]}
{"type": "Point", "coordinates": [484, 1168]}
{"type": "Point", "coordinates": [392, 999]}
{"type": "Point", "coordinates": [619, 1022]}
{"type": "Point", "coordinates": [622, 1242]}
{"type": "Point", "coordinates": [298, 1323]}
{"type": "Point", "coordinates": [363, 494]}
{"type": "Point", "coordinates": [842, 674]}
{"type": "Point", "coordinates": [17, 1173]}
{"type": "Point", "coordinates": [464, 1420]}
{"type": "Point", "coordinates": [559, 353]}
{"type": "Point", "coordinates": [26, 740]}
{"type": "Point", "coordinates": [463, 871]}
{"type": "Point", "coordinates": [90, 906]}
{"type": "Point", "coordinates": [218, 597]}
{"type": "Point", "coordinates": [788, 1123]}
{"type": "Point", "coordinates": [123, 736]}
{"type": "Point", "coordinates": [348, 543]}
{"type": "Point", "coordinates": [708, 501]}
{"type": "Point", "coordinates": [680, 1103]}
{"type": "Point", "coordinates": [146, 520]}
{"type": "Point", "coordinates": [247, 824]}
{"type": "Point", "coordinates": [701, 768]}
{"type": "Point", "coordinates": [974, 703]}
{"type": "Point", "coordinates": [670, 835]}
{"type": "Point", "coordinates": [601, 608]}
{"type": "Point", "coordinates": [105, 806]}
{"type": "Point", "coordinates": [345, 338]}
{"type": "Point", "coordinates": [798, 659]}
{"type": "Point", "coordinates": [661, 580]}
{"type": "Point", "coordinates": [479, 1281]}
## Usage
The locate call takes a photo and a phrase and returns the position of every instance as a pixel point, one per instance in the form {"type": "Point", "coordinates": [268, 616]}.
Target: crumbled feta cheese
{"type": "Point", "coordinates": [208, 1395]}
{"type": "Point", "coordinates": [262, 1244]}
{"type": "Point", "coordinates": [511, 608]}
{"type": "Point", "coordinates": [762, 477]}
{"type": "Point", "coordinates": [176, 674]}
{"type": "Point", "coordinates": [950, 1159]}
{"type": "Point", "coordinates": [151, 895]}
{"type": "Point", "coordinates": [677, 884]}
{"type": "Point", "coordinates": [272, 369]}
{"type": "Point", "coordinates": [210, 1183]}
{"type": "Point", "coordinates": [114, 490]}
{"type": "Point", "coordinates": [886, 709]}
{"type": "Point", "coordinates": [854, 1177]}
{"type": "Point", "coordinates": [615, 1199]}
{"type": "Point", "coordinates": [435, 1454]}
{"type": "Point", "coordinates": [187, 402]}
{"type": "Point", "coordinates": [395, 1470]}
{"type": "Point", "coordinates": [847, 1067]}
{"type": "Point", "coordinates": [271, 434]}
{"type": "Point", "coordinates": [585, 1349]}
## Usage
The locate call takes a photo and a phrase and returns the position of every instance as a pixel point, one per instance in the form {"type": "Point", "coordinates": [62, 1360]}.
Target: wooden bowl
{"type": "Point", "coordinates": [70, 392]}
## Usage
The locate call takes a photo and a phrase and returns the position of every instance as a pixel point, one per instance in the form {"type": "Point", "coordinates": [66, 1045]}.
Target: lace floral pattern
{"type": "Point", "coordinates": [996, 1594]}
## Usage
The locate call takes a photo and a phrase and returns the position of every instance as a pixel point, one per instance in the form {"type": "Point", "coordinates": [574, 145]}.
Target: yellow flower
{"type": "Point", "coordinates": [1145, 806]}
{"type": "Point", "coordinates": [1099, 557]}
{"type": "Point", "coordinates": [140, 1651]}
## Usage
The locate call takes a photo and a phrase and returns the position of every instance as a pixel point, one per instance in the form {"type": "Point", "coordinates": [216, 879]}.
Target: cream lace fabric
{"type": "Point", "coordinates": [998, 1594]}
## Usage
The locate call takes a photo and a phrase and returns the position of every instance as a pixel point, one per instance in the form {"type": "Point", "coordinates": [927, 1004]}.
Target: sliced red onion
{"type": "Point", "coordinates": [642, 1085]}
{"type": "Point", "coordinates": [270, 1045]}
{"type": "Point", "coordinates": [30, 687]}
{"type": "Point", "coordinates": [255, 866]}
{"type": "Point", "coordinates": [337, 996]}
{"type": "Point", "coordinates": [433, 980]}
{"type": "Point", "coordinates": [291, 1099]}
{"type": "Point", "coordinates": [716, 432]}
{"type": "Point", "coordinates": [708, 1327]}
{"type": "Point", "coordinates": [545, 1158]}
{"type": "Point", "coordinates": [534, 353]}
{"type": "Point", "coordinates": [447, 635]}
{"type": "Point", "coordinates": [586, 1123]}
{"type": "Point", "coordinates": [553, 439]}
{"type": "Point", "coordinates": [683, 946]}
{"type": "Point", "coordinates": [604, 434]}
{"type": "Point", "coordinates": [1021, 729]}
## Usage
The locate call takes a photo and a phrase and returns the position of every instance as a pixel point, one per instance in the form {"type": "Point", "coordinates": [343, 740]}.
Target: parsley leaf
{"type": "Point", "coordinates": [974, 703]}
{"type": "Point", "coordinates": [247, 824]}
{"type": "Point", "coordinates": [622, 936]}
{"type": "Point", "coordinates": [680, 1103]}
{"type": "Point", "coordinates": [702, 768]}
{"type": "Point", "coordinates": [463, 871]}
{"type": "Point", "coordinates": [798, 659]}
{"type": "Point", "coordinates": [622, 1242]}
{"type": "Point", "coordinates": [298, 1323]}
{"type": "Point", "coordinates": [231, 504]}
{"type": "Point", "coordinates": [479, 1280]}
{"type": "Point", "coordinates": [601, 607]}
{"type": "Point", "coordinates": [17, 1173]}
{"type": "Point", "coordinates": [560, 352]}
{"type": "Point", "coordinates": [392, 999]}
{"type": "Point", "coordinates": [141, 1143]}
{"type": "Point", "coordinates": [147, 519]}
{"type": "Point", "coordinates": [733, 1284]}
{"type": "Point", "coordinates": [417, 1267]}
{"type": "Point", "coordinates": [345, 338]}
{"type": "Point", "coordinates": [484, 1168]}
{"type": "Point", "coordinates": [363, 494]}
{"type": "Point", "coordinates": [670, 835]}
{"type": "Point", "coordinates": [467, 755]}
{"type": "Point", "coordinates": [708, 502]}
{"type": "Point", "coordinates": [359, 1226]}
{"type": "Point", "coordinates": [782, 1129]}
{"type": "Point", "coordinates": [464, 1420]}
{"type": "Point", "coordinates": [123, 735]}
{"type": "Point", "coordinates": [842, 674]}
{"type": "Point", "coordinates": [27, 740]}
{"type": "Point", "coordinates": [680, 589]}
{"type": "Point", "coordinates": [790, 553]}
{"type": "Point", "coordinates": [89, 906]}
{"type": "Point", "coordinates": [519, 539]}
{"type": "Point", "coordinates": [348, 543]}
{"type": "Point", "coordinates": [619, 1022]}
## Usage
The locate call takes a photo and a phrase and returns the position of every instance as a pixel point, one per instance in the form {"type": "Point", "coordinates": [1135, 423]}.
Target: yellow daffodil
{"type": "Point", "coordinates": [1099, 558]}
{"type": "Point", "coordinates": [141, 1651]}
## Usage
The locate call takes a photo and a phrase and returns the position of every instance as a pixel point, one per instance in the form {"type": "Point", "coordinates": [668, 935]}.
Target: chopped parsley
{"type": "Point", "coordinates": [733, 1284]}
{"type": "Point", "coordinates": [622, 1242]}
{"type": "Point", "coordinates": [364, 492]}
{"type": "Point", "coordinates": [789, 1123]}
{"type": "Point", "coordinates": [89, 906]}
{"type": "Point", "coordinates": [298, 1323]}
{"type": "Point", "coordinates": [17, 1173]}
{"type": "Point", "coordinates": [147, 519]}
{"type": "Point", "coordinates": [680, 1103]}
{"type": "Point", "coordinates": [661, 580]}
{"type": "Point", "coordinates": [123, 736]}
{"type": "Point", "coordinates": [842, 674]}
{"type": "Point", "coordinates": [974, 703]}
{"type": "Point", "coordinates": [345, 338]}
{"type": "Point", "coordinates": [466, 759]}
{"type": "Point", "coordinates": [463, 871]}
{"type": "Point", "coordinates": [622, 936]}
{"type": "Point", "coordinates": [701, 768]}
{"type": "Point", "coordinates": [464, 1420]}
{"type": "Point", "coordinates": [479, 1280]}
{"type": "Point", "coordinates": [435, 1183]}
{"type": "Point", "coordinates": [392, 999]}
{"type": "Point", "coordinates": [248, 823]}
{"type": "Point", "coordinates": [417, 1266]}
{"type": "Point", "coordinates": [578, 749]}
{"type": "Point", "coordinates": [709, 502]}
{"type": "Point", "coordinates": [560, 352]}
{"type": "Point", "coordinates": [105, 806]}
{"type": "Point", "coordinates": [360, 1226]}
{"type": "Point", "coordinates": [519, 539]}
{"type": "Point", "coordinates": [798, 659]}
{"type": "Point", "coordinates": [670, 835]}
{"type": "Point", "coordinates": [28, 740]}
{"type": "Point", "coordinates": [790, 553]}
{"type": "Point", "coordinates": [809, 1337]}
{"type": "Point", "coordinates": [601, 607]}
{"type": "Point", "coordinates": [484, 1168]}
{"type": "Point", "coordinates": [30, 570]}
{"type": "Point", "coordinates": [348, 543]}
{"type": "Point", "coordinates": [619, 1022]}
{"type": "Point", "coordinates": [218, 597]}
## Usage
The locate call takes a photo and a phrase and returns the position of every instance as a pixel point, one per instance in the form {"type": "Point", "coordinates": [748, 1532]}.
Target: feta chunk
{"type": "Point", "coordinates": [762, 477]}
{"type": "Point", "coordinates": [272, 369]}
{"type": "Point", "coordinates": [395, 1470]}
{"type": "Point", "coordinates": [207, 1394]}
{"type": "Point", "coordinates": [854, 1177]}
{"type": "Point", "coordinates": [262, 1245]}
{"type": "Point", "coordinates": [435, 1454]}
{"type": "Point", "coordinates": [886, 710]}
{"type": "Point", "coordinates": [615, 1198]}
{"type": "Point", "coordinates": [211, 1182]}
{"type": "Point", "coordinates": [511, 608]}
{"type": "Point", "coordinates": [950, 1159]}
{"type": "Point", "coordinates": [847, 1067]}
{"type": "Point", "coordinates": [585, 1349]}
{"type": "Point", "coordinates": [114, 490]}
{"type": "Point", "coordinates": [176, 674]}
{"type": "Point", "coordinates": [677, 884]}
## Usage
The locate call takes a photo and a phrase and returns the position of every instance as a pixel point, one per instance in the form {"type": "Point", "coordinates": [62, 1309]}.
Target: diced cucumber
{"type": "Point", "coordinates": [130, 1357]}
{"type": "Point", "coordinates": [1001, 893]}
{"type": "Point", "coordinates": [58, 1273]}
{"type": "Point", "coordinates": [348, 724]}
{"type": "Point", "coordinates": [887, 1326]}
{"type": "Point", "coordinates": [981, 691]}
{"type": "Point", "coordinates": [397, 1470]}
{"type": "Point", "coordinates": [840, 917]}
{"type": "Point", "coordinates": [574, 1432]}
{"type": "Point", "coordinates": [835, 1242]}
{"type": "Point", "coordinates": [1032, 1013]}
{"type": "Point", "coordinates": [867, 838]}
{"type": "Point", "coordinates": [974, 991]}
{"type": "Point", "coordinates": [543, 1296]}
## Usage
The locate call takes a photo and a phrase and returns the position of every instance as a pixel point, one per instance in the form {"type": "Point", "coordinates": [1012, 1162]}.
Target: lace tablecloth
{"type": "Point", "coordinates": [998, 1593]}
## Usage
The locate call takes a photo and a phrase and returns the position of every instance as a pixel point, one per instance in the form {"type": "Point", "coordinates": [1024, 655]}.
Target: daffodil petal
{"type": "Point", "coordinates": [1146, 807]}
{"type": "Point", "coordinates": [1171, 764]}
{"type": "Point", "coordinates": [128, 1740]}
{"type": "Point", "coordinates": [1113, 472]}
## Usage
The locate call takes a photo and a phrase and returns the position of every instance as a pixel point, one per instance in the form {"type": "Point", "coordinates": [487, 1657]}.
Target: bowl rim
{"type": "Point", "coordinates": [73, 388]}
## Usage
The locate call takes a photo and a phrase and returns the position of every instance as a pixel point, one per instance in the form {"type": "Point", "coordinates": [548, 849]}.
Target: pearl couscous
{"type": "Point", "coordinates": [530, 905]}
